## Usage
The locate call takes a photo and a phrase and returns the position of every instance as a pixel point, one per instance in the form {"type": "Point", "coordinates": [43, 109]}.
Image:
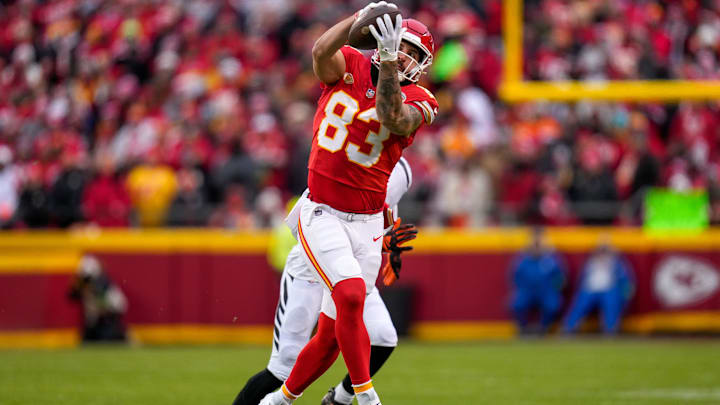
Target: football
{"type": "Point", "coordinates": [360, 36]}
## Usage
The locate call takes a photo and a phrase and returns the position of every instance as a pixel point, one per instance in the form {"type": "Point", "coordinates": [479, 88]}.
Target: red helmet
{"type": "Point", "coordinates": [418, 35]}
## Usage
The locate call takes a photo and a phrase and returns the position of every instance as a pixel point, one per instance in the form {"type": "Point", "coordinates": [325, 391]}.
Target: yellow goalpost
{"type": "Point", "coordinates": [515, 89]}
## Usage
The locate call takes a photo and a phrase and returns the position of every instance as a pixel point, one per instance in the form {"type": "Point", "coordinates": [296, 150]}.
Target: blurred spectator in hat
{"type": "Point", "coordinates": [67, 191]}
{"type": "Point", "coordinates": [9, 187]}
{"type": "Point", "coordinates": [485, 53]}
{"type": "Point", "coordinates": [235, 165]}
{"type": "Point", "coordinates": [297, 119]}
{"type": "Point", "coordinates": [472, 123]}
{"type": "Point", "coordinates": [477, 107]}
{"type": "Point", "coordinates": [137, 138]}
{"type": "Point", "coordinates": [519, 182]}
{"type": "Point", "coordinates": [550, 206]}
{"type": "Point", "coordinates": [464, 197]}
{"type": "Point", "coordinates": [638, 170]}
{"type": "Point", "coordinates": [593, 193]}
{"type": "Point", "coordinates": [456, 138]}
{"type": "Point", "coordinates": [606, 284]}
{"type": "Point", "coordinates": [187, 146]}
{"type": "Point", "coordinates": [269, 208]}
{"type": "Point", "coordinates": [680, 175]}
{"type": "Point", "coordinates": [189, 207]}
{"type": "Point", "coordinates": [103, 302]}
{"type": "Point", "coordinates": [520, 178]}
{"type": "Point", "coordinates": [34, 204]}
{"type": "Point", "coordinates": [639, 163]}
{"type": "Point", "coordinates": [105, 201]}
{"type": "Point", "coordinates": [233, 213]}
{"type": "Point", "coordinates": [695, 132]}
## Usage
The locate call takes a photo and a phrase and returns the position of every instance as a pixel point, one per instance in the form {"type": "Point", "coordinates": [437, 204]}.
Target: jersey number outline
{"type": "Point", "coordinates": [340, 123]}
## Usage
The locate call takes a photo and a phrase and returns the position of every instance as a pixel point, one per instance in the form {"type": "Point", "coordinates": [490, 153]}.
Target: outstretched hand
{"type": "Point", "coordinates": [388, 37]}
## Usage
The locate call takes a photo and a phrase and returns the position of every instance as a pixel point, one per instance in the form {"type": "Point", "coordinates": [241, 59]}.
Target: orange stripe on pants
{"type": "Point", "coordinates": [310, 255]}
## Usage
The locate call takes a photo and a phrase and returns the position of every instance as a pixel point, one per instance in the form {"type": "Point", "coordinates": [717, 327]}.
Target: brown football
{"type": "Point", "coordinates": [360, 36]}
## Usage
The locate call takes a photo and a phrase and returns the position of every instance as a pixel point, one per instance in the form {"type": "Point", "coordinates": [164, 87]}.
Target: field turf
{"type": "Point", "coordinates": [552, 371]}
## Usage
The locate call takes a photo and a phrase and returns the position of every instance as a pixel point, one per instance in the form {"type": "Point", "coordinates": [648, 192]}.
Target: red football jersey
{"type": "Point", "coordinates": [352, 155]}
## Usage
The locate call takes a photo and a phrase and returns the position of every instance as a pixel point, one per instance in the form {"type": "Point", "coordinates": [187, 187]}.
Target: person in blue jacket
{"type": "Point", "coordinates": [538, 276]}
{"type": "Point", "coordinates": [606, 284]}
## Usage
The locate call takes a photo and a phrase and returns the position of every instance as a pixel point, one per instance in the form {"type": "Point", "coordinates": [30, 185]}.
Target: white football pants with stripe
{"type": "Point", "coordinates": [297, 313]}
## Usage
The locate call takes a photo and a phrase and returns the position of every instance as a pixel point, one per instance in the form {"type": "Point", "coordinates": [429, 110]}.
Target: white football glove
{"type": "Point", "coordinates": [388, 38]}
{"type": "Point", "coordinates": [370, 6]}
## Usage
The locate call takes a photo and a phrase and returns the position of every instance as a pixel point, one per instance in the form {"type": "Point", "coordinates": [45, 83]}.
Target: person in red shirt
{"type": "Point", "coordinates": [368, 112]}
{"type": "Point", "coordinates": [106, 202]}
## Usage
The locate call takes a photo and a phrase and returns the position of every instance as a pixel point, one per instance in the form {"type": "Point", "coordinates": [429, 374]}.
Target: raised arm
{"type": "Point", "coordinates": [398, 117]}
{"type": "Point", "coordinates": [328, 61]}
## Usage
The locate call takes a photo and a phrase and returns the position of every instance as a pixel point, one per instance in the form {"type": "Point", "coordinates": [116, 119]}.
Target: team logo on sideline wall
{"type": "Point", "coordinates": [680, 281]}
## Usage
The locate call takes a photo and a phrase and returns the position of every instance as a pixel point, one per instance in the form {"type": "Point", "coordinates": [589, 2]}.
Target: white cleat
{"type": "Point", "coordinates": [368, 398]}
{"type": "Point", "coordinates": [267, 400]}
{"type": "Point", "coordinates": [275, 398]}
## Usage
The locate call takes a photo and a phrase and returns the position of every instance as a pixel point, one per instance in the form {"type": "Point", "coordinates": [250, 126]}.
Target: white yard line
{"type": "Point", "coordinates": [688, 394]}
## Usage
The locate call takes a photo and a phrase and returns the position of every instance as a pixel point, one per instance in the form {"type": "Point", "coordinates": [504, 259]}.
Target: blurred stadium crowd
{"type": "Point", "coordinates": [199, 112]}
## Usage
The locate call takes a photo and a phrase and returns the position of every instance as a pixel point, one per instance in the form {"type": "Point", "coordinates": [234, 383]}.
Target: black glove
{"type": "Point", "coordinates": [398, 235]}
{"type": "Point", "coordinates": [392, 245]}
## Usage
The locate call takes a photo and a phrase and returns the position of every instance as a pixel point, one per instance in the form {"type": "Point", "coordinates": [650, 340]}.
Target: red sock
{"type": "Point", "coordinates": [315, 358]}
{"type": "Point", "coordinates": [352, 336]}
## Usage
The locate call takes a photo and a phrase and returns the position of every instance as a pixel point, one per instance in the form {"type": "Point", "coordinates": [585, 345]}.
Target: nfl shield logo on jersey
{"type": "Point", "coordinates": [370, 93]}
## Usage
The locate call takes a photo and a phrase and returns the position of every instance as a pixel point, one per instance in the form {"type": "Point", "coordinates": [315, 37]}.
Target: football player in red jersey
{"type": "Point", "coordinates": [369, 111]}
{"type": "Point", "coordinates": [300, 302]}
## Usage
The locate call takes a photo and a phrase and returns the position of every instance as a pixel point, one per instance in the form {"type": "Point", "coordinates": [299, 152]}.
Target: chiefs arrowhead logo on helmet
{"type": "Point", "coordinates": [417, 34]}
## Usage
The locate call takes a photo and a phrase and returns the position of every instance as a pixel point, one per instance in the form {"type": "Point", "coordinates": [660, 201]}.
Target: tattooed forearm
{"type": "Point", "coordinates": [391, 110]}
{"type": "Point", "coordinates": [389, 99]}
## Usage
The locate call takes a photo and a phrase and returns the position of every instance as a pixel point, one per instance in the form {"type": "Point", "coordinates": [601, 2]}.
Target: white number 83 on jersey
{"type": "Point", "coordinates": [340, 123]}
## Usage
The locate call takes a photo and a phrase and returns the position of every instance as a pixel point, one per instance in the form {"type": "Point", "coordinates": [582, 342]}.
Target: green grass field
{"type": "Point", "coordinates": [654, 371]}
